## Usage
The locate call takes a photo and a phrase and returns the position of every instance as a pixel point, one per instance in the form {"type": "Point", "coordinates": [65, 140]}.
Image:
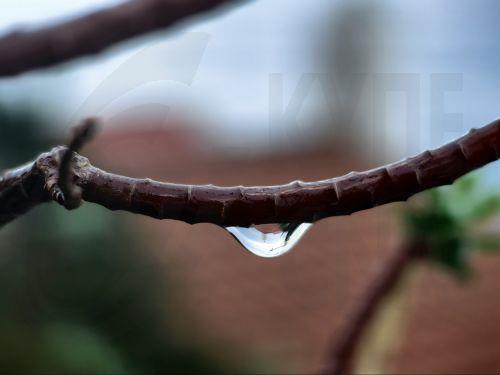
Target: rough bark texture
{"type": "Point", "coordinates": [20, 190]}
{"type": "Point", "coordinates": [21, 51]}
{"type": "Point", "coordinates": [242, 206]}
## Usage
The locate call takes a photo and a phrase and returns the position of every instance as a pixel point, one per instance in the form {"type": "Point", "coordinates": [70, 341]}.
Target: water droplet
{"type": "Point", "coordinates": [270, 240]}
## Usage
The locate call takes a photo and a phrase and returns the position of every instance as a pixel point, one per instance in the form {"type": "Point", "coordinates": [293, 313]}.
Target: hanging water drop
{"type": "Point", "coordinates": [270, 240]}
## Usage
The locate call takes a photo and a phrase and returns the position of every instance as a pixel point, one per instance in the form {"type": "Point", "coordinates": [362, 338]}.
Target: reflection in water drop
{"type": "Point", "coordinates": [269, 243]}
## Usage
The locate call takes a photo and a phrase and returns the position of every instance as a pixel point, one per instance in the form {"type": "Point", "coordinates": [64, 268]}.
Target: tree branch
{"type": "Point", "coordinates": [296, 202]}
{"type": "Point", "coordinates": [341, 356]}
{"type": "Point", "coordinates": [21, 51]}
{"type": "Point", "coordinates": [63, 190]}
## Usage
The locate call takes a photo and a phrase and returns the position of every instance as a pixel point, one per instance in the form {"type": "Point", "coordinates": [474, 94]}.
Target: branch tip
{"type": "Point", "coordinates": [83, 133]}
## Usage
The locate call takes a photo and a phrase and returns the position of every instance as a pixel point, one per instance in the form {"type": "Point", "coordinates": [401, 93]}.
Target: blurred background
{"type": "Point", "coordinates": [262, 93]}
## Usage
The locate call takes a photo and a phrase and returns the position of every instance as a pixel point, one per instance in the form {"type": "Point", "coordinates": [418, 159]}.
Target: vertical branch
{"type": "Point", "coordinates": [344, 349]}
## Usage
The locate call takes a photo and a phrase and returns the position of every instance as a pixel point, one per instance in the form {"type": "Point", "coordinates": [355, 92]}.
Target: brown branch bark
{"type": "Point", "coordinates": [69, 195]}
{"type": "Point", "coordinates": [344, 349]}
{"type": "Point", "coordinates": [295, 202]}
{"type": "Point", "coordinates": [22, 51]}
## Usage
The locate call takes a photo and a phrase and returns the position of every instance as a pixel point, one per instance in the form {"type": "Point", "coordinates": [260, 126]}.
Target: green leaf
{"type": "Point", "coordinates": [484, 209]}
{"type": "Point", "coordinates": [466, 184]}
{"type": "Point", "coordinates": [451, 254]}
{"type": "Point", "coordinates": [485, 243]}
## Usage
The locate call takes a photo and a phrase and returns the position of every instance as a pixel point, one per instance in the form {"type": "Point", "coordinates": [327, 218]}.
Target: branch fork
{"type": "Point", "coordinates": [62, 165]}
{"type": "Point", "coordinates": [58, 175]}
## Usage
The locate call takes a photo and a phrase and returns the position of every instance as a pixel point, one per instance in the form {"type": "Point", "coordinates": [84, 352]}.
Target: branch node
{"type": "Point", "coordinates": [58, 166]}
{"type": "Point", "coordinates": [66, 193]}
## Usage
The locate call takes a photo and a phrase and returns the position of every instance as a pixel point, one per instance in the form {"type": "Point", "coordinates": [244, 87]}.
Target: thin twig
{"type": "Point", "coordinates": [295, 202]}
{"type": "Point", "coordinates": [21, 51]}
{"type": "Point", "coordinates": [341, 356]}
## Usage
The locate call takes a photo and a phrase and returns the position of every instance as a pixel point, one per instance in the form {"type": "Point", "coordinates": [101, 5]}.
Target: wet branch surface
{"type": "Point", "coordinates": [341, 356]}
{"type": "Point", "coordinates": [296, 202]}
{"type": "Point", "coordinates": [21, 51]}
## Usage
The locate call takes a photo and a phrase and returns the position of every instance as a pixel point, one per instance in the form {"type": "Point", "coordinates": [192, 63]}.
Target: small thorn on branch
{"type": "Point", "coordinates": [66, 193]}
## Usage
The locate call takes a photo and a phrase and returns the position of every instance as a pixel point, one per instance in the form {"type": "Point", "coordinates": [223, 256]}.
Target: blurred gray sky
{"type": "Point", "coordinates": [222, 67]}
